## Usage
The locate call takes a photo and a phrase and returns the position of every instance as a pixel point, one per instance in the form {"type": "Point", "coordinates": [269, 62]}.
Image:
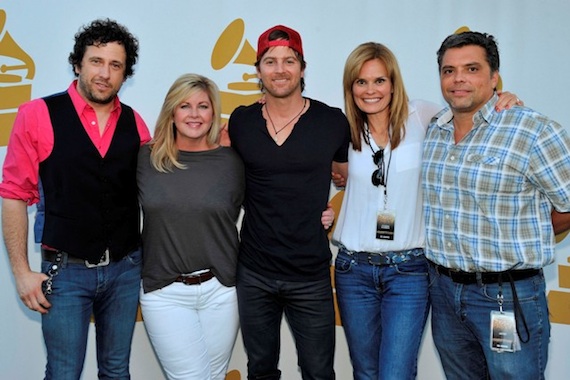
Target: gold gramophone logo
{"type": "Point", "coordinates": [232, 47]}
{"type": "Point", "coordinates": [559, 300]}
{"type": "Point", "coordinates": [17, 69]}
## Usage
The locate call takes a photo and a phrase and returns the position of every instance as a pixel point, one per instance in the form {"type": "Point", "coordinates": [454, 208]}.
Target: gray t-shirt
{"type": "Point", "coordinates": [190, 216]}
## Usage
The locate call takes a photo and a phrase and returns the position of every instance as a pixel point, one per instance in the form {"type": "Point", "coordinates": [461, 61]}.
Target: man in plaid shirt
{"type": "Point", "coordinates": [490, 181]}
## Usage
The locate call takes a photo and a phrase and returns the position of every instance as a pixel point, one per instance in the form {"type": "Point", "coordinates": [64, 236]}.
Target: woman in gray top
{"type": "Point", "coordinates": [191, 190]}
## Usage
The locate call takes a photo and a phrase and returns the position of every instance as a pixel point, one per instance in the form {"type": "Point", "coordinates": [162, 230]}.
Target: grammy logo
{"type": "Point", "coordinates": [232, 47]}
{"type": "Point", "coordinates": [17, 69]}
{"type": "Point", "coordinates": [558, 300]}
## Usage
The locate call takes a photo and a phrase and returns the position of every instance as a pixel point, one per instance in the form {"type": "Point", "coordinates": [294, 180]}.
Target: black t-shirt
{"type": "Point", "coordinates": [287, 189]}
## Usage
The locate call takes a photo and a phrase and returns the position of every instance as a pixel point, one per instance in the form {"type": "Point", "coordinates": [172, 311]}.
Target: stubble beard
{"type": "Point", "coordinates": [91, 95]}
{"type": "Point", "coordinates": [282, 92]}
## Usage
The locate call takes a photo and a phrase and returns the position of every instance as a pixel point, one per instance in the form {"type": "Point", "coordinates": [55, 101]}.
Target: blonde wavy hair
{"type": "Point", "coordinates": [164, 153]}
{"type": "Point", "coordinates": [399, 104]}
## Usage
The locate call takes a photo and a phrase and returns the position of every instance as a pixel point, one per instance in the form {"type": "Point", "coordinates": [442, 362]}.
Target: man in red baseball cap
{"type": "Point", "coordinates": [289, 145]}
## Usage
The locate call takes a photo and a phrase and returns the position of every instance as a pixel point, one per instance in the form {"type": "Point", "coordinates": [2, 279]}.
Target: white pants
{"type": "Point", "coordinates": [192, 328]}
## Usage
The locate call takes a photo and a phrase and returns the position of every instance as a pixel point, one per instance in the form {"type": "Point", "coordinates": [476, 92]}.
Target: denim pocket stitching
{"type": "Point", "coordinates": [510, 299]}
{"type": "Point", "coordinates": [343, 265]}
{"type": "Point", "coordinates": [413, 266]}
{"type": "Point", "coordinates": [137, 260]}
{"type": "Point", "coordinates": [397, 268]}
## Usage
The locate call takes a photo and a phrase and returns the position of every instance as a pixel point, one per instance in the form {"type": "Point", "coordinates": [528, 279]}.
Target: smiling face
{"type": "Point", "coordinates": [193, 119]}
{"type": "Point", "coordinates": [467, 82]}
{"type": "Point", "coordinates": [101, 73]}
{"type": "Point", "coordinates": [372, 89]}
{"type": "Point", "coordinates": [280, 72]}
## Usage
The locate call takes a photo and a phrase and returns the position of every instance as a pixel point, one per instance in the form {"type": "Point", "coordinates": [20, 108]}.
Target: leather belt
{"type": "Point", "coordinates": [195, 279]}
{"type": "Point", "coordinates": [64, 257]}
{"type": "Point", "coordinates": [467, 278]}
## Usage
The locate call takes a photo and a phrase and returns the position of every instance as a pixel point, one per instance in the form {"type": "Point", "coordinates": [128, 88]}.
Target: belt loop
{"type": "Point", "coordinates": [435, 267]}
{"type": "Point", "coordinates": [479, 278]}
{"type": "Point", "coordinates": [61, 257]}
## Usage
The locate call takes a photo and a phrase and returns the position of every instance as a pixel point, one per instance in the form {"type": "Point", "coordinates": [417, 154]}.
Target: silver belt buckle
{"type": "Point", "coordinates": [105, 260]}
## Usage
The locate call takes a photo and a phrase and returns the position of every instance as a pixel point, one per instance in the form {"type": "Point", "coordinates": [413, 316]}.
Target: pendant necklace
{"type": "Point", "coordinates": [275, 130]}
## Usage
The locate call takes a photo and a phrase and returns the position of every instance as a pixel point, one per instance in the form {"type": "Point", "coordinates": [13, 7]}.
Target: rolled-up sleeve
{"type": "Point", "coordinates": [31, 141]}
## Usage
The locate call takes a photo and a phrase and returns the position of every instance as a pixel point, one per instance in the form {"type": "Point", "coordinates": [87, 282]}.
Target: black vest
{"type": "Point", "coordinates": [90, 202]}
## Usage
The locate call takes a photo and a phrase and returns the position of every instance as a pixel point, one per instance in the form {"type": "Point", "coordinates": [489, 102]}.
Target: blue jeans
{"type": "Point", "coordinates": [309, 309]}
{"type": "Point", "coordinates": [461, 328]}
{"type": "Point", "coordinates": [111, 295]}
{"type": "Point", "coordinates": [383, 309]}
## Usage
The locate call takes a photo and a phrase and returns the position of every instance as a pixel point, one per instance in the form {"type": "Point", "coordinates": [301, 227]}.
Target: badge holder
{"type": "Point", "coordinates": [385, 224]}
{"type": "Point", "coordinates": [385, 219]}
{"type": "Point", "coordinates": [504, 337]}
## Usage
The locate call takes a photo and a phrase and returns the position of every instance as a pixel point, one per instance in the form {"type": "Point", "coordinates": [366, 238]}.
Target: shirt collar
{"type": "Point", "coordinates": [444, 117]}
{"type": "Point", "coordinates": [486, 112]}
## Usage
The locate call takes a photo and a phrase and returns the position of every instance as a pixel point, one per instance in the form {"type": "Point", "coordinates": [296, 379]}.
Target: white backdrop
{"type": "Point", "coordinates": [179, 36]}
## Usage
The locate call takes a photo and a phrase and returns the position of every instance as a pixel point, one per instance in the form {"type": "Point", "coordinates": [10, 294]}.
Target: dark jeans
{"type": "Point", "coordinates": [461, 328]}
{"type": "Point", "coordinates": [111, 295]}
{"type": "Point", "coordinates": [309, 309]}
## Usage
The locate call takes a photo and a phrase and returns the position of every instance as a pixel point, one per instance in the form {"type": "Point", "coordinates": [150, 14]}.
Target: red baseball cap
{"type": "Point", "coordinates": [294, 41]}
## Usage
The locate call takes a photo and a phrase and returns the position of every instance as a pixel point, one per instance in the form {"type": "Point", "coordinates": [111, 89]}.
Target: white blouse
{"type": "Point", "coordinates": [356, 223]}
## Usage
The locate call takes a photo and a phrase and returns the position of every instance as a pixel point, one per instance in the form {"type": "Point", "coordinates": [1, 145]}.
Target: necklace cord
{"type": "Point", "coordinates": [275, 130]}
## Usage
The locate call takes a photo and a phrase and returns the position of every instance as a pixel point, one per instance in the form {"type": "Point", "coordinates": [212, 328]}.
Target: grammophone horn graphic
{"type": "Point", "coordinates": [17, 69]}
{"type": "Point", "coordinates": [233, 48]}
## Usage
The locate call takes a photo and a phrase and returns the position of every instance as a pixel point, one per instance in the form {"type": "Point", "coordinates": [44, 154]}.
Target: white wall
{"type": "Point", "coordinates": [178, 36]}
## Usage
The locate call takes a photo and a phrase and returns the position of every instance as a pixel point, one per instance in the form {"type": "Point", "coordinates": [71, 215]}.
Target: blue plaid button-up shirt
{"type": "Point", "coordinates": [488, 198]}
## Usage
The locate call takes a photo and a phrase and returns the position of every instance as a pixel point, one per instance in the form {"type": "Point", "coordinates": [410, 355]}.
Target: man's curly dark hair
{"type": "Point", "coordinates": [102, 32]}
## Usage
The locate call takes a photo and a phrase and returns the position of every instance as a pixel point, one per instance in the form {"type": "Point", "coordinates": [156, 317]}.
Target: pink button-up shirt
{"type": "Point", "coordinates": [31, 142]}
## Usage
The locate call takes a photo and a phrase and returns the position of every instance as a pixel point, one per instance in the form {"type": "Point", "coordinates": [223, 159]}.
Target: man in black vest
{"type": "Point", "coordinates": [82, 144]}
